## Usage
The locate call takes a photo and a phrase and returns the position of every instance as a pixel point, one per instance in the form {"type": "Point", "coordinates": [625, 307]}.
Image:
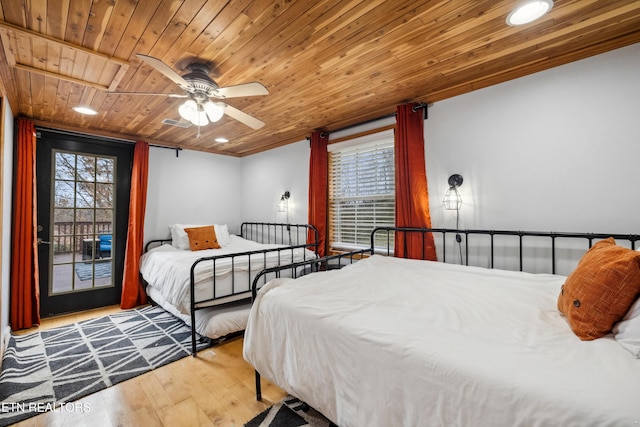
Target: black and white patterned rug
{"type": "Point", "coordinates": [86, 270]}
{"type": "Point", "coordinates": [46, 370]}
{"type": "Point", "coordinates": [290, 412]}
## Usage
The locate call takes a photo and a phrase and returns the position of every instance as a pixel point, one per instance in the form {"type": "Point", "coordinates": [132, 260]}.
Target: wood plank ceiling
{"type": "Point", "coordinates": [327, 64]}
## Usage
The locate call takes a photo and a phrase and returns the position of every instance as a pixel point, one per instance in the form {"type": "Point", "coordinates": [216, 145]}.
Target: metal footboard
{"type": "Point", "coordinates": [331, 262]}
{"type": "Point", "coordinates": [293, 236]}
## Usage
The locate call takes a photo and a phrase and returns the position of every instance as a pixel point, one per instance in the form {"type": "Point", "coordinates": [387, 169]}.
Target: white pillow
{"type": "Point", "coordinates": [627, 331]}
{"type": "Point", "coordinates": [222, 234]}
{"type": "Point", "coordinates": [180, 239]}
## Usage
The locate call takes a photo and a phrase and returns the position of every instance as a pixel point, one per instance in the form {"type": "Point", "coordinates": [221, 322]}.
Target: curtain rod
{"type": "Point", "coordinates": [111, 138]}
{"type": "Point", "coordinates": [415, 108]}
{"type": "Point", "coordinates": [178, 149]}
{"type": "Point", "coordinates": [84, 135]}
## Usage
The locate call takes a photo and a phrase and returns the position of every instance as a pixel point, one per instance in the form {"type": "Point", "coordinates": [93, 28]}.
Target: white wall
{"type": "Point", "coordinates": [196, 187]}
{"type": "Point", "coordinates": [554, 151]}
{"type": "Point", "coordinates": [267, 175]}
{"type": "Point", "coordinates": [7, 189]}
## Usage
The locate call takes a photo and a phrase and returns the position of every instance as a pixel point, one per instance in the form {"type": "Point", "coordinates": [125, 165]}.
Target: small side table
{"type": "Point", "coordinates": [90, 248]}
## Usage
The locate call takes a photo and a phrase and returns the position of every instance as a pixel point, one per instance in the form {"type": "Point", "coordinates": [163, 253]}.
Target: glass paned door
{"type": "Point", "coordinates": [82, 218]}
{"type": "Point", "coordinates": [83, 186]}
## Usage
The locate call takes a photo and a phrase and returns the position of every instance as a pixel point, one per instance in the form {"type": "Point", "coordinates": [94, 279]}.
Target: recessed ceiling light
{"type": "Point", "coordinates": [85, 110]}
{"type": "Point", "coordinates": [221, 140]}
{"type": "Point", "coordinates": [529, 11]}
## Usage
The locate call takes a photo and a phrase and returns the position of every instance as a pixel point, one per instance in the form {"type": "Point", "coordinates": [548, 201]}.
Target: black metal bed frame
{"type": "Point", "coordinates": [261, 232]}
{"type": "Point", "coordinates": [339, 260]}
{"type": "Point", "coordinates": [553, 236]}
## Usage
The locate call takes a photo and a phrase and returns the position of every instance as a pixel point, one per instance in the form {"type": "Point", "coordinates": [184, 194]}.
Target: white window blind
{"type": "Point", "coordinates": [361, 190]}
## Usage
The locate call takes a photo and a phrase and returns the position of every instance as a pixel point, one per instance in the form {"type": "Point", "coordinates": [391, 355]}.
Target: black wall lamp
{"type": "Point", "coordinates": [283, 205]}
{"type": "Point", "coordinates": [452, 199]}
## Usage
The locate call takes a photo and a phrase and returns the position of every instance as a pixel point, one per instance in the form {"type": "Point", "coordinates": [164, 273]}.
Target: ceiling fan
{"type": "Point", "coordinates": [203, 94]}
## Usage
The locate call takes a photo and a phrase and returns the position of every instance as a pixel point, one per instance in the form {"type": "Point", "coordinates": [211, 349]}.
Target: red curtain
{"type": "Point", "coordinates": [412, 195]}
{"type": "Point", "coordinates": [319, 189]}
{"type": "Point", "coordinates": [25, 294]}
{"type": "Point", "coordinates": [133, 293]}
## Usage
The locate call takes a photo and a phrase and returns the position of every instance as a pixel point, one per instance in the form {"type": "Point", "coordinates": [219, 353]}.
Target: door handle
{"type": "Point", "coordinates": [40, 241]}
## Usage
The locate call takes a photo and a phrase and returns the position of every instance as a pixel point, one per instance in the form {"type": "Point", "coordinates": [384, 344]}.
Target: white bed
{"type": "Point", "coordinates": [219, 287]}
{"type": "Point", "coordinates": [396, 342]}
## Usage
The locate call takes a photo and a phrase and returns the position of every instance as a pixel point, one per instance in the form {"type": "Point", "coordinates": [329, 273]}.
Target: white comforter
{"type": "Point", "coordinates": [393, 342]}
{"type": "Point", "coordinates": [167, 269]}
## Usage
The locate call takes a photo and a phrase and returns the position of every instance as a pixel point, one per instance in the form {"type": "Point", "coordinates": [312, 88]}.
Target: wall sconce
{"type": "Point", "coordinates": [452, 200]}
{"type": "Point", "coordinates": [283, 205]}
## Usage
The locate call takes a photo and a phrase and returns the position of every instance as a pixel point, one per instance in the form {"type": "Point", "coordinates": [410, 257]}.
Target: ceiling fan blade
{"type": "Point", "coordinates": [246, 89]}
{"type": "Point", "coordinates": [164, 69]}
{"type": "Point", "coordinates": [243, 117]}
{"type": "Point", "coordinates": [168, 95]}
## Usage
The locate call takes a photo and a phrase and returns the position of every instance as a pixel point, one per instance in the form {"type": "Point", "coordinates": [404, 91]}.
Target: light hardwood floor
{"type": "Point", "coordinates": [214, 389]}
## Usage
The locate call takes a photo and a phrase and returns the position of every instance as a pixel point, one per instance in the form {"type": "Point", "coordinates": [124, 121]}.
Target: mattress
{"type": "Point", "coordinates": [212, 322]}
{"type": "Point", "coordinates": [400, 342]}
{"type": "Point", "coordinates": [167, 270]}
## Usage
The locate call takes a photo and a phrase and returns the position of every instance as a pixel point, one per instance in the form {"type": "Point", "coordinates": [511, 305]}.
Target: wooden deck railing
{"type": "Point", "coordinates": [65, 240]}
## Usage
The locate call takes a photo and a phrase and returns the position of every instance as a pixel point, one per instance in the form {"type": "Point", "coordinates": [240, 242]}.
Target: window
{"type": "Point", "coordinates": [83, 213]}
{"type": "Point", "coordinates": [361, 190]}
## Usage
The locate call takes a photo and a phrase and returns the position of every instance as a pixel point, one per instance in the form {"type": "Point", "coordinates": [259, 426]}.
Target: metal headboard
{"type": "Point", "coordinates": [463, 236]}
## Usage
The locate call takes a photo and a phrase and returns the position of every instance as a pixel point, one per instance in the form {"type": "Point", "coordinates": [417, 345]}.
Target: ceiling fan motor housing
{"type": "Point", "coordinates": [199, 79]}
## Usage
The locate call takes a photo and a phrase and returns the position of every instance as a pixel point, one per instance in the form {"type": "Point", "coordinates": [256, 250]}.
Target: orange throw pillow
{"type": "Point", "coordinates": [202, 238]}
{"type": "Point", "coordinates": [601, 289]}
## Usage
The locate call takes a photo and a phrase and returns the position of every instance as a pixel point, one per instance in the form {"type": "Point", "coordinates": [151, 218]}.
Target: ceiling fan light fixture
{"type": "Point", "coordinates": [529, 11]}
{"type": "Point", "coordinates": [193, 112]}
{"type": "Point", "coordinates": [188, 110]}
{"type": "Point", "coordinates": [200, 118]}
{"type": "Point", "coordinates": [214, 111]}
